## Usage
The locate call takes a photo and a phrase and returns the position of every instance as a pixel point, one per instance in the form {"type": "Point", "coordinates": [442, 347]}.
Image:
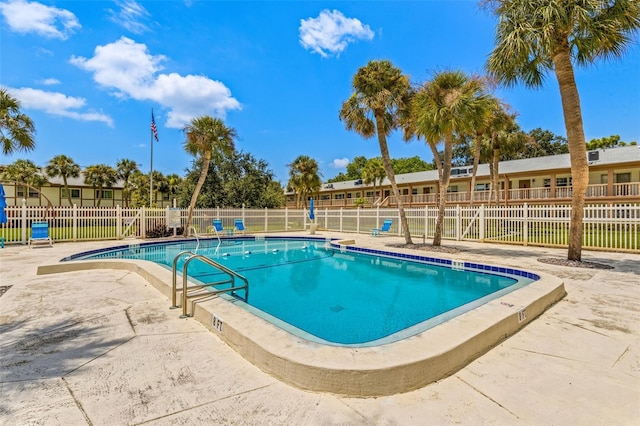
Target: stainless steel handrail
{"type": "Point", "coordinates": [232, 276]}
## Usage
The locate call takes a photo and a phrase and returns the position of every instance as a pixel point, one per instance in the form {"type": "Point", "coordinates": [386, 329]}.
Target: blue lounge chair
{"type": "Point", "coordinates": [40, 234]}
{"type": "Point", "coordinates": [217, 225]}
{"type": "Point", "coordinates": [239, 225]}
{"type": "Point", "coordinates": [386, 226]}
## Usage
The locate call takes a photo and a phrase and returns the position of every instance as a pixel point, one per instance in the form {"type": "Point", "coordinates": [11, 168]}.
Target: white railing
{"type": "Point", "coordinates": [612, 227]}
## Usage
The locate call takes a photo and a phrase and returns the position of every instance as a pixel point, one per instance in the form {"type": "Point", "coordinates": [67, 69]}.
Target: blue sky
{"type": "Point", "coordinates": [89, 72]}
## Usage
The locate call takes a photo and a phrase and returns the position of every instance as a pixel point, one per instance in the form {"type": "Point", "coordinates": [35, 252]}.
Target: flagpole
{"type": "Point", "coordinates": [151, 172]}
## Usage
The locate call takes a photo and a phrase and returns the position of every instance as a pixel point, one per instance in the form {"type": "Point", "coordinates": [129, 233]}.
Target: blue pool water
{"type": "Point", "coordinates": [346, 297]}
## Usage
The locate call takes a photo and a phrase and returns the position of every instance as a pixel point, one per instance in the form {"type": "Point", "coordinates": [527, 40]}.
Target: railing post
{"type": "Point", "coordinates": [426, 223]}
{"type": "Point", "coordinates": [326, 218]}
{"type": "Point", "coordinates": [23, 220]}
{"type": "Point", "coordinates": [341, 208]}
{"type": "Point", "coordinates": [358, 220]}
{"type": "Point", "coordinates": [482, 223]}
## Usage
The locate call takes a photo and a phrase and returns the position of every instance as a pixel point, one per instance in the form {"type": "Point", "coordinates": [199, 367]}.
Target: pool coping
{"type": "Point", "coordinates": [387, 369]}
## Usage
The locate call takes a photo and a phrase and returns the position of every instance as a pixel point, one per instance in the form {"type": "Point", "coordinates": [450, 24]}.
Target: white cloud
{"type": "Point", "coordinates": [331, 32]}
{"type": "Point", "coordinates": [50, 81]}
{"type": "Point", "coordinates": [130, 16]}
{"type": "Point", "coordinates": [55, 103]}
{"type": "Point", "coordinates": [340, 163]}
{"type": "Point", "coordinates": [131, 71]}
{"type": "Point", "coordinates": [48, 21]}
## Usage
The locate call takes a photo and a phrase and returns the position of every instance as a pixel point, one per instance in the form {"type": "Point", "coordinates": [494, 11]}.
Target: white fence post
{"type": "Point", "coordinates": [525, 224]}
{"type": "Point", "coordinates": [143, 222]}
{"type": "Point", "coordinates": [458, 223]}
{"type": "Point", "coordinates": [266, 219]}
{"type": "Point", "coordinates": [23, 221]}
{"type": "Point", "coordinates": [426, 223]}
{"type": "Point", "coordinates": [340, 228]}
{"type": "Point", "coordinates": [119, 222]}
{"type": "Point", "coordinates": [286, 218]}
{"type": "Point", "coordinates": [482, 223]}
{"type": "Point", "coordinates": [358, 220]}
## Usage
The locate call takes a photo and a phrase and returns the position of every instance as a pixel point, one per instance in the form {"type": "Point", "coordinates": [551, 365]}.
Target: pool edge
{"type": "Point", "coordinates": [358, 372]}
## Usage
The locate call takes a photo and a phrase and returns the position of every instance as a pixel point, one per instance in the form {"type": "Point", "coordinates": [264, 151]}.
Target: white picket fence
{"type": "Point", "coordinates": [610, 227]}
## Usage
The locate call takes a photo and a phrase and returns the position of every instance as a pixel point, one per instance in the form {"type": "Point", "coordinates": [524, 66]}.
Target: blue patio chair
{"type": "Point", "coordinates": [217, 225]}
{"type": "Point", "coordinates": [40, 234]}
{"type": "Point", "coordinates": [386, 226]}
{"type": "Point", "coordinates": [240, 225]}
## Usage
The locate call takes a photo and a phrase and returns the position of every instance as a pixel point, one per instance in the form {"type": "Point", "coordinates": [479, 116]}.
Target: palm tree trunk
{"type": "Point", "coordinates": [444, 178]}
{"type": "Point", "coordinates": [577, 147]}
{"type": "Point", "coordinates": [476, 160]}
{"type": "Point", "coordinates": [386, 161]}
{"type": "Point", "coordinates": [196, 191]}
{"type": "Point", "coordinates": [66, 187]}
{"type": "Point", "coordinates": [495, 184]}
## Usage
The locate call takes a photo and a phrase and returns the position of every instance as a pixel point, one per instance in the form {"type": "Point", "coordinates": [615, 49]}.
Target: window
{"type": "Point", "coordinates": [369, 194]}
{"type": "Point", "coordinates": [107, 194]}
{"type": "Point", "coordinates": [622, 178]}
{"type": "Point", "coordinates": [338, 197]}
{"type": "Point", "coordinates": [452, 188]}
{"type": "Point", "coordinates": [563, 181]}
{"type": "Point", "coordinates": [22, 190]}
{"type": "Point", "coordinates": [604, 178]}
{"type": "Point", "coordinates": [75, 193]}
{"type": "Point", "coordinates": [547, 183]}
{"type": "Point", "coordinates": [483, 186]}
{"type": "Point", "coordinates": [414, 191]}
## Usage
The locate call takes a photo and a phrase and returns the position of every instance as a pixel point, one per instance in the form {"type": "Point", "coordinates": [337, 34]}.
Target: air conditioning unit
{"type": "Point", "coordinates": [593, 155]}
{"type": "Point", "coordinates": [358, 182]}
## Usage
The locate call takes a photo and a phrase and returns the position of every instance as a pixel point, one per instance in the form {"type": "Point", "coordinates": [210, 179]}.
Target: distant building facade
{"type": "Point", "coordinates": [614, 177]}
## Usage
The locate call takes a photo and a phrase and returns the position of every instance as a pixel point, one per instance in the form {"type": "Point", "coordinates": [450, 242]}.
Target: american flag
{"type": "Point", "coordinates": [154, 129]}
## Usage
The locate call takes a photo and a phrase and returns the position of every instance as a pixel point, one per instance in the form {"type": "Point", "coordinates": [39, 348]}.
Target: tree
{"type": "Point", "coordinates": [304, 178]}
{"type": "Point", "coordinates": [536, 36]}
{"type": "Point", "coordinates": [125, 169]}
{"type": "Point", "coordinates": [26, 172]}
{"type": "Point", "coordinates": [612, 141]}
{"type": "Point", "coordinates": [16, 128]}
{"type": "Point", "coordinates": [381, 95]}
{"type": "Point", "coordinates": [206, 137]}
{"type": "Point", "coordinates": [64, 166]}
{"type": "Point", "coordinates": [100, 176]}
{"type": "Point", "coordinates": [447, 105]}
{"type": "Point", "coordinates": [373, 173]}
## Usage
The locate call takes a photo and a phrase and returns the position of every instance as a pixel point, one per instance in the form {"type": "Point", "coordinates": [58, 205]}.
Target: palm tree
{"type": "Point", "coordinates": [64, 166]}
{"type": "Point", "coordinates": [206, 136]}
{"type": "Point", "coordinates": [450, 104]}
{"type": "Point", "coordinates": [25, 172]}
{"type": "Point", "coordinates": [304, 178]}
{"type": "Point", "coordinates": [16, 129]}
{"type": "Point", "coordinates": [125, 169]}
{"type": "Point", "coordinates": [100, 176]}
{"type": "Point", "coordinates": [373, 173]}
{"type": "Point", "coordinates": [381, 93]}
{"type": "Point", "coordinates": [534, 37]}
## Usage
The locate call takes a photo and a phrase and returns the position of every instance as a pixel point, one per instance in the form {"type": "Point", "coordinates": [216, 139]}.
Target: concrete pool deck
{"type": "Point", "coordinates": [102, 347]}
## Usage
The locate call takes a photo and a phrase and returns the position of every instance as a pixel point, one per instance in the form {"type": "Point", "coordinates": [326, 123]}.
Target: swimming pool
{"type": "Point", "coordinates": [331, 294]}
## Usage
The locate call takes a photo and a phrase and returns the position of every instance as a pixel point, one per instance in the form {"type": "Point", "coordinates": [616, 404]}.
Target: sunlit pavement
{"type": "Point", "coordinates": [102, 347]}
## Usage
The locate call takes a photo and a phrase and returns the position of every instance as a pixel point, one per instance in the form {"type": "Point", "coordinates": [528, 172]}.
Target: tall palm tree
{"type": "Point", "coordinates": [373, 173]}
{"type": "Point", "coordinates": [16, 128]}
{"type": "Point", "coordinates": [206, 137]}
{"type": "Point", "coordinates": [100, 176]}
{"type": "Point", "coordinates": [64, 166]}
{"type": "Point", "coordinates": [447, 105]}
{"type": "Point", "coordinates": [26, 172]}
{"type": "Point", "coordinates": [304, 178]}
{"type": "Point", "coordinates": [536, 36]}
{"type": "Point", "coordinates": [125, 169]}
{"type": "Point", "coordinates": [381, 94]}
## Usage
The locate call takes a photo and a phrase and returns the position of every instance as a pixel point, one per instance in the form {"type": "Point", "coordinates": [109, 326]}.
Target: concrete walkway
{"type": "Point", "coordinates": [102, 348]}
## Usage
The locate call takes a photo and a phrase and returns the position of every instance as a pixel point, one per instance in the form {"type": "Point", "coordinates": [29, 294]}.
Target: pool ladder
{"type": "Point", "coordinates": [188, 292]}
